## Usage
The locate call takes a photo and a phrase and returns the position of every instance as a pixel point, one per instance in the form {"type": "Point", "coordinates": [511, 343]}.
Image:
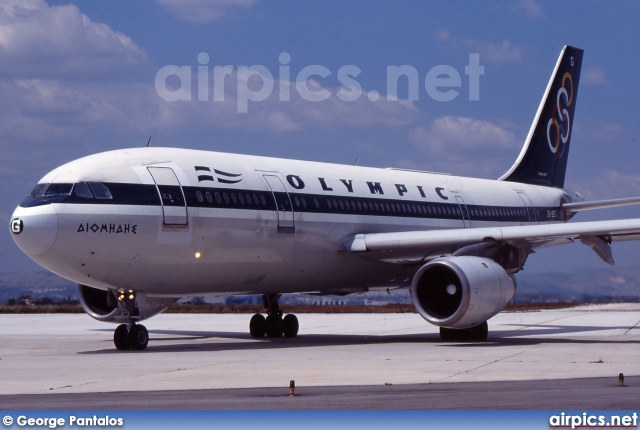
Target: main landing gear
{"type": "Point", "coordinates": [130, 336]}
{"type": "Point", "coordinates": [476, 333]}
{"type": "Point", "coordinates": [274, 325]}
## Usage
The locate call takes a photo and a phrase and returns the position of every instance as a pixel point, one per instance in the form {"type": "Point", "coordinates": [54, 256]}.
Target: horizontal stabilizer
{"type": "Point", "coordinates": [600, 204]}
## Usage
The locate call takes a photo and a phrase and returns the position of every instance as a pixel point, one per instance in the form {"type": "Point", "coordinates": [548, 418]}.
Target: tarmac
{"type": "Point", "coordinates": [341, 361]}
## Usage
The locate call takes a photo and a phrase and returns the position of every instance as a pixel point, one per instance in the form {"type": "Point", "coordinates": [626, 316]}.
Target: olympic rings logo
{"type": "Point", "coordinates": [559, 125]}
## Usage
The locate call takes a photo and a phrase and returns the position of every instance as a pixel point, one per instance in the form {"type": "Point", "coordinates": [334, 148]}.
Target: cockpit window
{"type": "Point", "coordinates": [100, 190]}
{"type": "Point", "coordinates": [58, 190]}
{"type": "Point", "coordinates": [81, 189]}
{"type": "Point", "coordinates": [38, 190]}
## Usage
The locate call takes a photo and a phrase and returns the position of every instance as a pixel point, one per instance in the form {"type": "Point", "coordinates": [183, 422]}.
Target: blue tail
{"type": "Point", "coordinates": [543, 159]}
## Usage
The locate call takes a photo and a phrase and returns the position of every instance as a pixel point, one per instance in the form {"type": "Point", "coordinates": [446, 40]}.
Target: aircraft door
{"type": "Point", "coordinates": [174, 206]}
{"type": "Point", "coordinates": [464, 211]}
{"type": "Point", "coordinates": [286, 223]}
{"type": "Point", "coordinates": [528, 206]}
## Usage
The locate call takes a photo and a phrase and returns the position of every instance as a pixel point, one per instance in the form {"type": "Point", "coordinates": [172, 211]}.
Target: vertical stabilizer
{"type": "Point", "coordinates": [543, 159]}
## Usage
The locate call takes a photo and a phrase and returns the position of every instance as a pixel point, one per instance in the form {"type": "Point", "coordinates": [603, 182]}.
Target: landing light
{"type": "Point", "coordinates": [126, 295]}
{"type": "Point", "coordinates": [198, 255]}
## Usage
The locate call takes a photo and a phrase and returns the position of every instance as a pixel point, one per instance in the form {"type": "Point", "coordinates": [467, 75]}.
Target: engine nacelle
{"type": "Point", "coordinates": [103, 305]}
{"type": "Point", "coordinates": [461, 292]}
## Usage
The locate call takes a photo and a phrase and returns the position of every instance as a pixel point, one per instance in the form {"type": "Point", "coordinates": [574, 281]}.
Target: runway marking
{"type": "Point", "coordinates": [517, 353]}
{"type": "Point", "coordinates": [544, 322]}
{"type": "Point", "coordinates": [488, 364]}
{"type": "Point", "coordinates": [634, 326]}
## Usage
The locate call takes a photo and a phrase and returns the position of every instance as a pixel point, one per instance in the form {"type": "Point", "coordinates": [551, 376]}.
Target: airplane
{"type": "Point", "coordinates": [139, 228]}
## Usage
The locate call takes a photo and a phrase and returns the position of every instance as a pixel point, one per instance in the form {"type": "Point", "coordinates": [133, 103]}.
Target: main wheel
{"type": "Point", "coordinates": [258, 326]}
{"type": "Point", "coordinates": [476, 333]}
{"type": "Point", "coordinates": [274, 325]}
{"type": "Point", "coordinates": [121, 337]}
{"type": "Point", "coordinates": [290, 326]}
{"type": "Point", "coordinates": [138, 337]}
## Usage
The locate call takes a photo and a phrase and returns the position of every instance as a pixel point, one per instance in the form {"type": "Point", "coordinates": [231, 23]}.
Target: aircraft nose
{"type": "Point", "coordinates": [34, 229]}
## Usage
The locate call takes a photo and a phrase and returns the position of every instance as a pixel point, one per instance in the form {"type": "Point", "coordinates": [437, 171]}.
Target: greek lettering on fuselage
{"type": "Point", "coordinates": [108, 228]}
{"type": "Point", "coordinates": [328, 185]}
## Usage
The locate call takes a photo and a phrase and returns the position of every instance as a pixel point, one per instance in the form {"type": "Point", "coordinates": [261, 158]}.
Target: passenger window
{"type": "Point", "coordinates": [209, 197]}
{"type": "Point", "coordinates": [199, 196]}
{"type": "Point", "coordinates": [81, 189]}
{"type": "Point", "coordinates": [100, 190]}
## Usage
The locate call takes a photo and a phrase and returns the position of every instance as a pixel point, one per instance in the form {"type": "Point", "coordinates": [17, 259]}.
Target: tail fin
{"type": "Point", "coordinates": [543, 159]}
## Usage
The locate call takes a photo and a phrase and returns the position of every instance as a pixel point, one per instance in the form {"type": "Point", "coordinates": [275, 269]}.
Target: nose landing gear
{"type": "Point", "coordinates": [274, 325]}
{"type": "Point", "coordinates": [130, 335]}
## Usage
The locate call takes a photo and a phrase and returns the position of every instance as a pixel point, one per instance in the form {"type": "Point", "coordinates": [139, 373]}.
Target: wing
{"type": "Point", "coordinates": [412, 247]}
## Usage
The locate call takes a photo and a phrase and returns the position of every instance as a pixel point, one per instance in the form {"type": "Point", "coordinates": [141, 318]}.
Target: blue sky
{"type": "Point", "coordinates": [78, 78]}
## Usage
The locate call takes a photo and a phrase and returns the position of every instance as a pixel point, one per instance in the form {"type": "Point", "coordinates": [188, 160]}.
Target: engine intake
{"type": "Point", "coordinates": [103, 305]}
{"type": "Point", "coordinates": [461, 292]}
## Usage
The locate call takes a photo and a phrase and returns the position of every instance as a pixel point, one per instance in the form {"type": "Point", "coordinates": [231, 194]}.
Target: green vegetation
{"type": "Point", "coordinates": [22, 305]}
{"type": "Point", "coordinates": [41, 309]}
{"type": "Point", "coordinates": [298, 309]}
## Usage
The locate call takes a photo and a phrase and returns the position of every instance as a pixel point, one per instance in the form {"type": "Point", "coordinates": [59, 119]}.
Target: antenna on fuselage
{"type": "Point", "coordinates": [355, 163]}
{"type": "Point", "coordinates": [148, 142]}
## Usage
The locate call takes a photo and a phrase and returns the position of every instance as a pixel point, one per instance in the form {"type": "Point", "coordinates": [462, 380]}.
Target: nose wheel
{"type": "Point", "coordinates": [274, 325]}
{"type": "Point", "coordinates": [134, 338]}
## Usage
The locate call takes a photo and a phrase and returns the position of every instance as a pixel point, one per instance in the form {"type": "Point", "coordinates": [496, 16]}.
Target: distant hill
{"type": "Point", "coordinates": [603, 285]}
{"type": "Point", "coordinates": [37, 285]}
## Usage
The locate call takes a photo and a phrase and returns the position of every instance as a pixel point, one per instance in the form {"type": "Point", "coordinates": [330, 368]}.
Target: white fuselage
{"type": "Point", "coordinates": [183, 222]}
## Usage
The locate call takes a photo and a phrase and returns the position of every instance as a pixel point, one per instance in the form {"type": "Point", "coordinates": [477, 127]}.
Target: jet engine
{"type": "Point", "coordinates": [103, 305]}
{"type": "Point", "coordinates": [461, 292]}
